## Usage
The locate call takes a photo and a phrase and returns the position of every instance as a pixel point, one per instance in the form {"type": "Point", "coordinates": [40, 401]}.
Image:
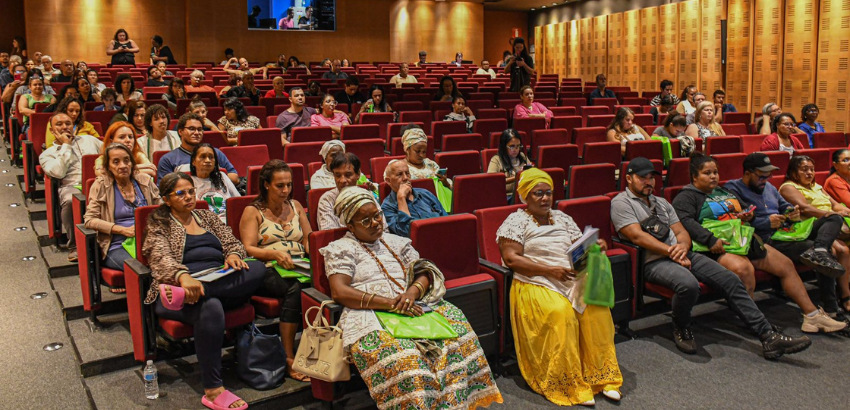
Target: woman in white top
{"type": "Point", "coordinates": [623, 129]}
{"type": "Point", "coordinates": [416, 150]}
{"type": "Point", "coordinates": [686, 101]}
{"type": "Point", "coordinates": [211, 185]}
{"type": "Point", "coordinates": [564, 347]}
{"type": "Point", "coordinates": [324, 178]}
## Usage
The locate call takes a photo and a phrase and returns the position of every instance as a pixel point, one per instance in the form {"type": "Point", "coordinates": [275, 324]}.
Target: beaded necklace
{"type": "Point", "coordinates": [381, 265]}
{"type": "Point", "coordinates": [548, 214]}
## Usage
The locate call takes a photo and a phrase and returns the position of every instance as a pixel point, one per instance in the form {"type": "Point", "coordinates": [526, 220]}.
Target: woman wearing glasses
{"type": "Point", "coordinates": [181, 240]}
{"type": "Point", "coordinates": [274, 229]}
{"type": "Point", "coordinates": [112, 202]}
{"type": "Point", "coordinates": [564, 347]}
{"type": "Point", "coordinates": [371, 271]}
{"type": "Point", "coordinates": [330, 116]}
{"type": "Point", "coordinates": [783, 126]}
{"type": "Point", "coordinates": [510, 160]}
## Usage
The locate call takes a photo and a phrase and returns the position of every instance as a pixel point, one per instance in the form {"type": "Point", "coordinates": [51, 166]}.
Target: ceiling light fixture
{"type": "Point", "coordinates": [544, 6]}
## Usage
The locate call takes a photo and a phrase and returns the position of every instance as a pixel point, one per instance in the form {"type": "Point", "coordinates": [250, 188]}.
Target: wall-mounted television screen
{"type": "Point", "coordinates": [315, 15]}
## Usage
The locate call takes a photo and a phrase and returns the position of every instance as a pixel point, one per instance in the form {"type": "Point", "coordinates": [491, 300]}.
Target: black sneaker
{"type": "Point", "coordinates": [776, 344]}
{"type": "Point", "coordinates": [684, 339]}
{"type": "Point", "coordinates": [822, 262]}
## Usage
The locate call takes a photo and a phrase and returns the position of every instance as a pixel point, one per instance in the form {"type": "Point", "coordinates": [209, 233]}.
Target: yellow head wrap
{"type": "Point", "coordinates": [529, 179]}
{"type": "Point", "coordinates": [412, 137]}
{"type": "Point", "coordinates": [350, 200]}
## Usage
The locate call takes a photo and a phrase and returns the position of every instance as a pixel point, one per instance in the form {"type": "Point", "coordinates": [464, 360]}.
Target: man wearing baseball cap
{"type": "Point", "coordinates": [651, 223]}
{"type": "Point", "coordinates": [772, 212]}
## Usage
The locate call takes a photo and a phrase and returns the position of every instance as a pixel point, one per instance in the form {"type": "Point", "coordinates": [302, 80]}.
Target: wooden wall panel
{"type": "Point", "coordinates": [599, 64]}
{"type": "Point", "coordinates": [649, 49]}
{"type": "Point", "coordinates": [833, 71]}
{"type": "Point", "coordinates": [574, 50]}
{"type": "Point", "coordinates": [540, 49]}
{"type": "Point", "coordinates": [738, 53]}
{"type": "Point", "coordinates": [615, 50]}
{"type": "Point", "coordinates": [801, 40]}
{"type": "Point", "coordinates": [710, 75]}
{"type": "Point", "coordinates": [586, 51]}
{"type": "Point", "coordinates": [687, 67]}
{"type": "Point", "coordinates": [560, 50]}
{"type": "Point", "coordinates": [768, 35]}
{"type": "Point", "coordinates": [668, 30]}
{"type": "Point", "coordinates": [441, 28]}
{"type": "Point", "coordinates": [631, 49]}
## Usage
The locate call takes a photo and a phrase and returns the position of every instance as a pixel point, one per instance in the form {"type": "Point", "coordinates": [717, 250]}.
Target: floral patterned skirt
{"type": "Point", "coordinates": [401, 377]}
{"type": "Point", "coordinates": [564, 355]}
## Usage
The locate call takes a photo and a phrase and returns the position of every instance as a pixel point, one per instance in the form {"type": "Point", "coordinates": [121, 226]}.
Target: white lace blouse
{"type": "Point", "coordinates": [347, 257]}
{"type": "Point", "coordinates": [546, 245]}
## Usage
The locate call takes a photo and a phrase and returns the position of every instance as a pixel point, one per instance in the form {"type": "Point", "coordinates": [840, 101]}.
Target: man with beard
{"type": "Point", "coordinates": [772, 212]}
{"type": "Point", "coordinates": [652, 224]}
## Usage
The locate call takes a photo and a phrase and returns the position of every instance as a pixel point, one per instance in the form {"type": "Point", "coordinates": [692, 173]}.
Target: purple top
{"type": "Point", "coordinates": [125, 212]}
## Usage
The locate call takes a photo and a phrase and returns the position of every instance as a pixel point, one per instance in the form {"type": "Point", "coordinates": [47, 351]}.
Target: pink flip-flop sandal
{"type": "Point", "coordinates": [177, 295]}
{"type": "Point", "coordinates": [223, 402]}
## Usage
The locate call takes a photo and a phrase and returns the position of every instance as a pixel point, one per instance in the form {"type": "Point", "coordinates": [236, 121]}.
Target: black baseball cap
{"type": "Point", "coordinates": [641, 166]}
{"type": "Point", "coordinates": [759, 161]}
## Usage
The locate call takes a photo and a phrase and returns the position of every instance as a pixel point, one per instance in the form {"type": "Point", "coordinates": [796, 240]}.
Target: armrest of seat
{"type": "Point", "coordinates": [78, 203]}
{"type": "Point", "coordinates": [54, 210]}
{"type": "Point", "coordinates": [137, 279]}
{"type": "Point", "coordinates": [29, 162]}
{"type": "Point", "coordinates": [503, 277]}
{"type": "Point", "coordinates": [638, 256]}
{"type": "Point", "coordinates": [314, 297]}
{"type": "Point", "coordinates": [88, 254]}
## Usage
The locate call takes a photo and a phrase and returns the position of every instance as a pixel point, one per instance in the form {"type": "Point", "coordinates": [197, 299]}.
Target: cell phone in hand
{"type": "Point", "coordinates": [442, 171]}
{"type": "Point", "coordinates": [425, 308]}
{"type": "Point", "coordinates": [18, 77]}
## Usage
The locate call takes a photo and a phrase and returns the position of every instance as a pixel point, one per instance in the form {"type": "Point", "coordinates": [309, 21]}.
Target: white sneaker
{"type": "Point", "coordinates": [821, 322]}
{"type": "Point", "coordinates": [612, 394]}
{"type": "Point", "coordinates": [589, 403]}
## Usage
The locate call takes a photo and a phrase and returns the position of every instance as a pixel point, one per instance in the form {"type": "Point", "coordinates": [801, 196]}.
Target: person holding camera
{"type": "Point", "coordinates": [122, 48]}
{"type": "Point", "coordinates": [652, 224]}
{"type": "Point", "coordinates": [520, 66]}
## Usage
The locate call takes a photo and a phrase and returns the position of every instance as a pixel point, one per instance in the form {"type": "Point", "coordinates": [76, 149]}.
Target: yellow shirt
{"type": "Point", "coordinates": [85, 129]}
{"type": "Point", "coordinates": [815, 195]}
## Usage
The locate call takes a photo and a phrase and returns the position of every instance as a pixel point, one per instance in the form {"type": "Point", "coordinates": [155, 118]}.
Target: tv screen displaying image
{"type": "Point", "coordinates": [312, 15]}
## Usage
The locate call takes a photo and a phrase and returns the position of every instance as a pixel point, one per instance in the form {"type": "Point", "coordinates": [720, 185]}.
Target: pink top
{"type": "Point", "coordinates": [272, 94]}
{"type": "Point", "coordinates": [339, 119]}
{"type": "Point", "coordinates": [520, 111]}
{"type": "Point", "coordinates": [285, 23]}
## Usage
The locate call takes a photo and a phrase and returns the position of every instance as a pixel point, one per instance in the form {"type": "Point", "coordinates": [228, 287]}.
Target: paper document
{"type": "Point", "coordinates": [579, 249]}
{"type": "Point", "coordinates": [211, 274]}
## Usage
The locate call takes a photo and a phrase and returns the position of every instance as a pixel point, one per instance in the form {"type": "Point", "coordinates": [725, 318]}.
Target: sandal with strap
{"type": "Point", "coordinates": [223, 402]}
{"type": "Point", "coordinates": [177, 296]}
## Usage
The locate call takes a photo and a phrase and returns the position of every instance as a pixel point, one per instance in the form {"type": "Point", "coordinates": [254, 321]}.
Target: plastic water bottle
{"type": "Point", "coordinates": [151, 384]}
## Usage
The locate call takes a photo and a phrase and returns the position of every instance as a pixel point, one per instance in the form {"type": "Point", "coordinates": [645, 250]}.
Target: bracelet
{"type": "Point", "coordinates": [370, 299]}
{"type": "Point", "coordinates": [362, 297]}
{"type": "Point", "coordinates": [421, 289]}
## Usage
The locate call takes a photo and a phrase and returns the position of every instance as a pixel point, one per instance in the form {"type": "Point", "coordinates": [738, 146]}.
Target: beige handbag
{"type": "Point", "coordinates": [321, 354]}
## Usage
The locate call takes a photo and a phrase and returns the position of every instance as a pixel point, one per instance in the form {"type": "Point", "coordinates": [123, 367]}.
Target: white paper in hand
{"type": "Point", "coordinates": [212, 274]}
{"type": "Point", "coordinates": [579, 249]}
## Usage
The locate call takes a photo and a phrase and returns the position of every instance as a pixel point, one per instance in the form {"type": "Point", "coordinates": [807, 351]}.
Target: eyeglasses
{"type": "Point", "coordinates": [183, 193]}
{"type": "Point", "coordinates": [540, 194]}
{"type": "Point", "coordinates": [763, 178]}
{"type": "Point", "coordinates": [368, 222]}
{"type": "Point", "coordinates": [194, 130]}
{"type": "Point", "coordinates": [514, 147]}
{"type": "Point", "coordinates": [789, 125]}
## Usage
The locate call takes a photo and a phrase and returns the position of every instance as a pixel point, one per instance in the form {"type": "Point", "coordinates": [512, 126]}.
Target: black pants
{"type": "Point", "coordinates": [207, 316]}
{"type": "Point", "coordinates": [824, 232]}
{"type": "Point", "coordinates": [685, 284]}
{"type": "Point", "coordinates": [287, 291]}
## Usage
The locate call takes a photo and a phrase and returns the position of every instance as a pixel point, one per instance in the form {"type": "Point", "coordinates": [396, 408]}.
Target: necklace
{"type": "Point", "coordinates": [533, 218]}
{"type": "Point", "coordinates": [381, 265]}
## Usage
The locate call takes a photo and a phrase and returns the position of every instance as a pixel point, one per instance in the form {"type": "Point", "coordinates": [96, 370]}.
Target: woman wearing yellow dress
{"type": "Point", "coordinates": [564, 347]}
